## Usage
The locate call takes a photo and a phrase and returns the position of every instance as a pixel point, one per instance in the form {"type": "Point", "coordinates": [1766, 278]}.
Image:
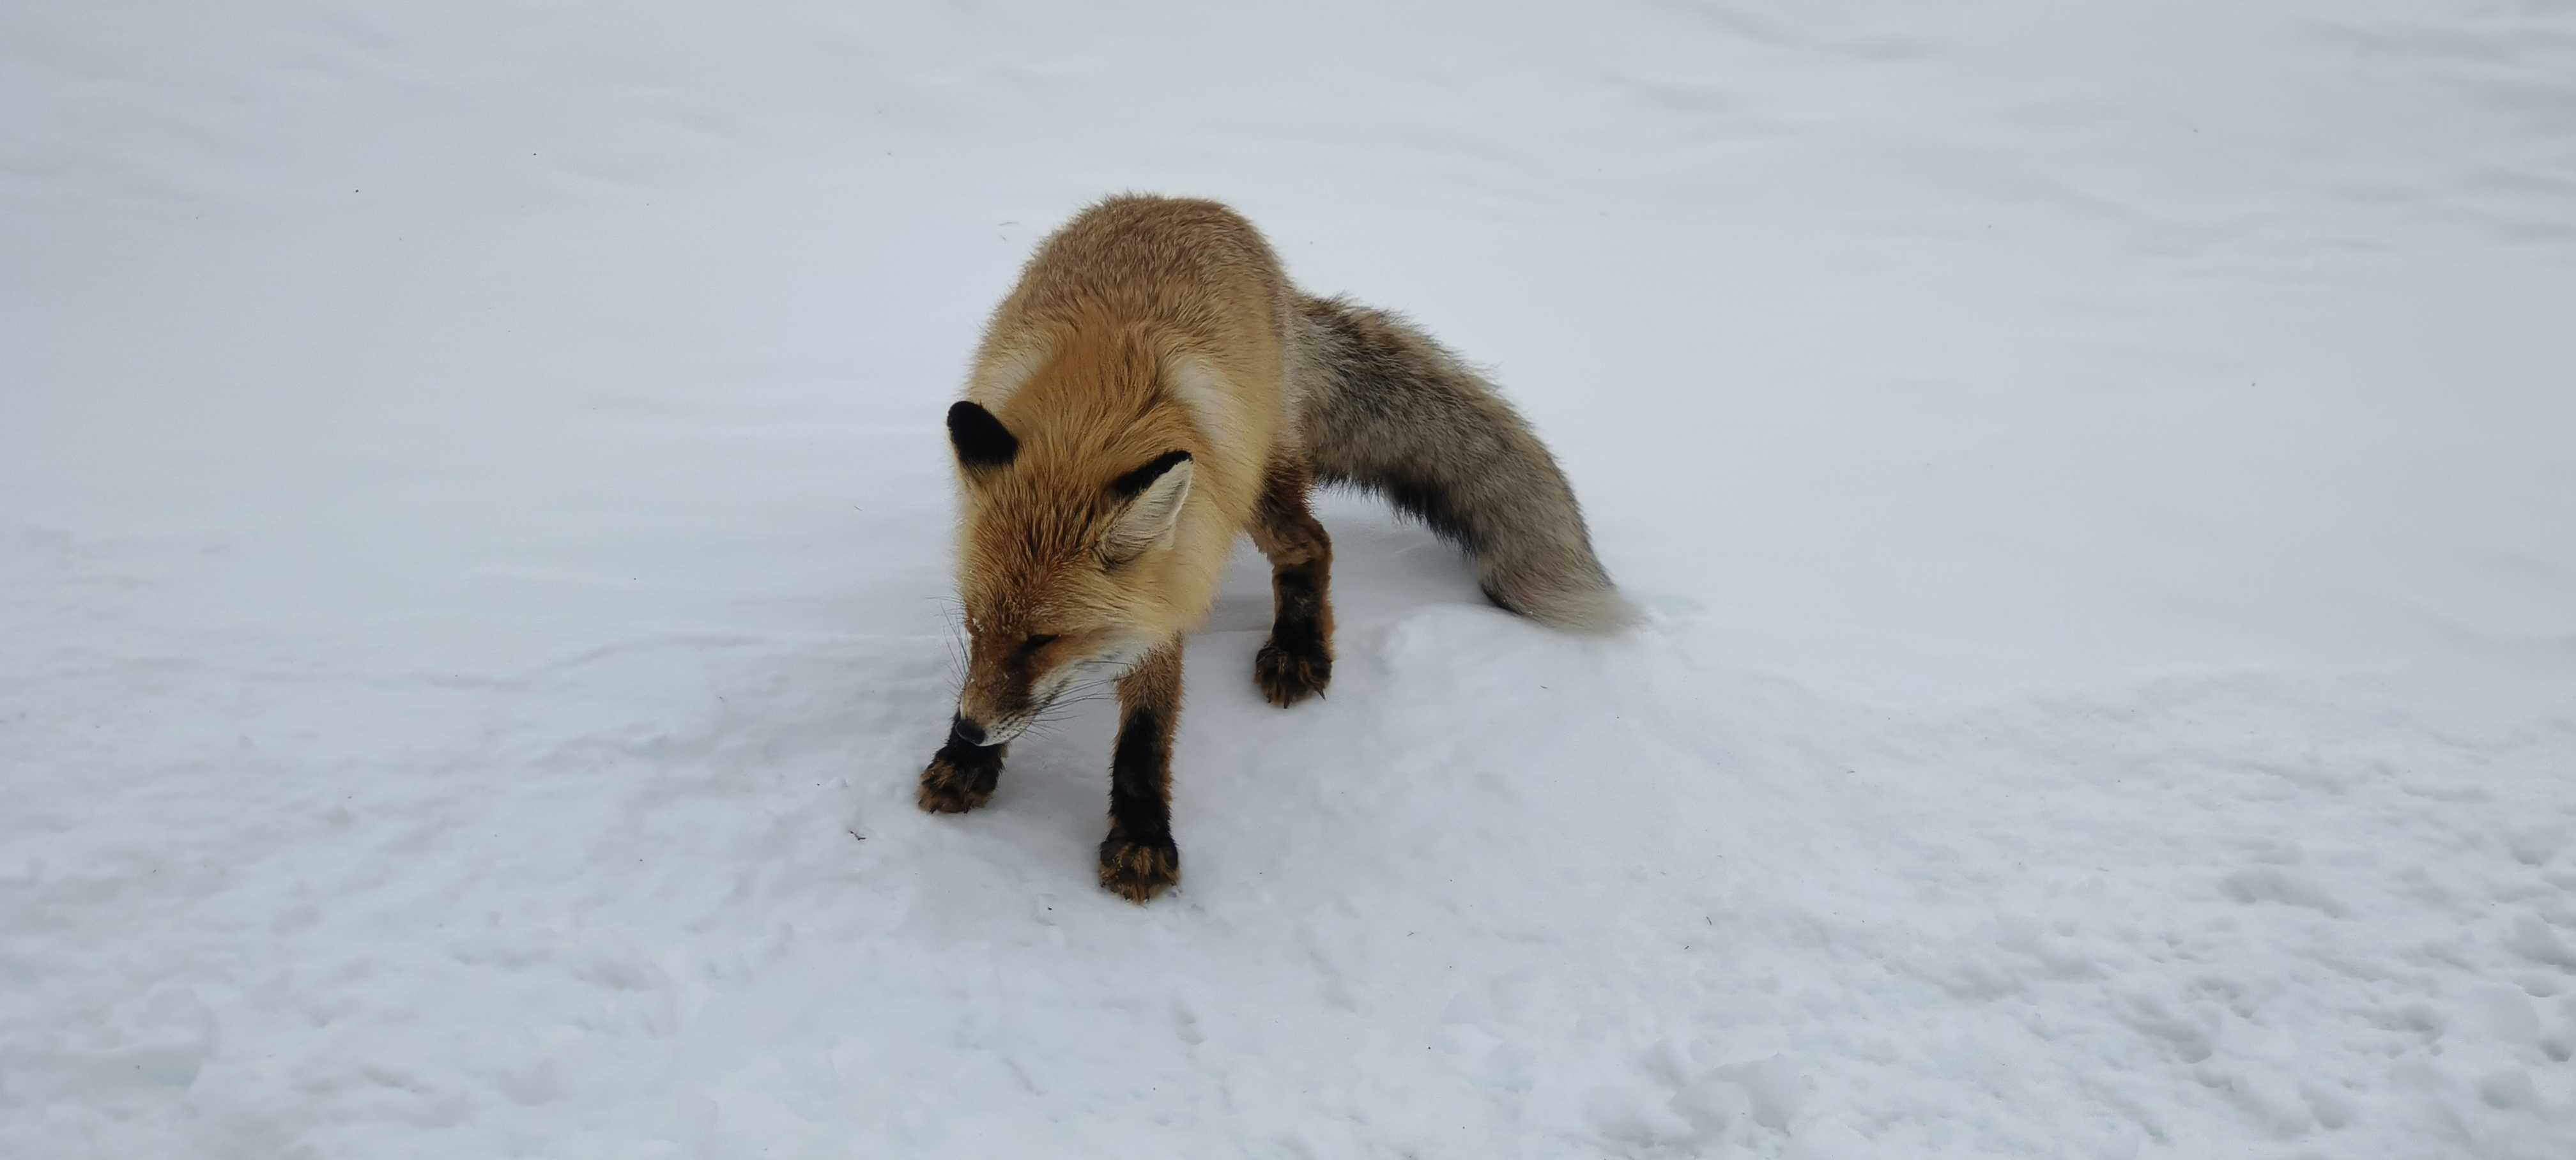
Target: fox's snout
{"type": "Point", "coordinates": [987, 719]}
{"type": "Point", "coordinates": [1001, 694]}
{"type": "Point", "coordinates": [985, 729]}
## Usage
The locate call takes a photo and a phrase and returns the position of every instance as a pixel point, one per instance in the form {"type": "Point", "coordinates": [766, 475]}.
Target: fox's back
{"type": "Point", "coordinates": [1182, 278]}
{"type": "Point", "coordinates": [1196, 266]}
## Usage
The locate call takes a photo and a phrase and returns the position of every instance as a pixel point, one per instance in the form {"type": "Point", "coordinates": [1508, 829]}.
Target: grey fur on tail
{"type": "Point", "coordinates": [1384, 407]}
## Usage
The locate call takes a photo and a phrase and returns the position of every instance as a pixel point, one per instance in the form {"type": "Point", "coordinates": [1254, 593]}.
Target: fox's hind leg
{"type": "Point", "coordinates": [961, 776]}
{"type": "Point", "coordinates": [1297, 661]}
{"type": "Point", "coordinates": [1138, 858]}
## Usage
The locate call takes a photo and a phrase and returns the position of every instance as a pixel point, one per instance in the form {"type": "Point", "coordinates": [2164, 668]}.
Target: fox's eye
{"type": "Point", "coordinates": [1035, 642]}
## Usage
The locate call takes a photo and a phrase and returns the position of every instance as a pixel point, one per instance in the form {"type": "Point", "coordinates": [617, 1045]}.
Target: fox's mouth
{"type": "Point", "coordinates": [1071, 683]}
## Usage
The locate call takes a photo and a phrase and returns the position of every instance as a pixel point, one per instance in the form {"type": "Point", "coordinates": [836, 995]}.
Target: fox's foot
{"type": "Point", "coordinates": [1292, 671]}
{"type": "Point", "coordinates": [961, 778]}
{"type": "Point", "coordinates": [1137, 871]}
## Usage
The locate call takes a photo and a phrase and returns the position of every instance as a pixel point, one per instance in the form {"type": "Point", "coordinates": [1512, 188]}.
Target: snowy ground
{"type": "Point", "coordinates": [471, 588]}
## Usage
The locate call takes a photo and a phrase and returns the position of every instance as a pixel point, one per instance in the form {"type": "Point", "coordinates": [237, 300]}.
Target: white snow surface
{"type": "Point", "coordinates": [2102, 478]}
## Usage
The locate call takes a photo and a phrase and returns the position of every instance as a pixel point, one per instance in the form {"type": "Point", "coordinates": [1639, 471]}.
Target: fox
{"type": "Point", "coordinates": [1153, 389]}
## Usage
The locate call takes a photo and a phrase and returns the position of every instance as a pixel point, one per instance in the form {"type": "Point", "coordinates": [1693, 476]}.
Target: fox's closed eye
{"type": "Point", "coordinates": [1035, 642]}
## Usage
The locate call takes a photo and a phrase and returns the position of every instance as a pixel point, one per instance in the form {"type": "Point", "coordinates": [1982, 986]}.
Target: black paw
{"type": "Point", "coordinates": [959, 779]}
{"type": "Point", "coordinates": [1137, 871]}
{"type": "Point", "coordinates": [1291, 674]}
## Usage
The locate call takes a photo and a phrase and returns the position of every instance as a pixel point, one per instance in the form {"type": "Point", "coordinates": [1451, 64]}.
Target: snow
{"type": "Point", "coordinates": [472, 582]}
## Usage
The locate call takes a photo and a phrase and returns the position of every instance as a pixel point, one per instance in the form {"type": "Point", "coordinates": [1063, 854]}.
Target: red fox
{"type": "Point", "coordinates": [1153, 388]}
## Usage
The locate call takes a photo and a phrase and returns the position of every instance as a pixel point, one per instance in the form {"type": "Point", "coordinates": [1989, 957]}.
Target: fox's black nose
{"type": "Point", "coordinates": [966, 731]}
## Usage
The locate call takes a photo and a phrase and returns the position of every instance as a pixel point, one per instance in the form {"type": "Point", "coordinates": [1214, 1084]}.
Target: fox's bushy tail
{"type": "Point", "coordinates": [1386, 408]}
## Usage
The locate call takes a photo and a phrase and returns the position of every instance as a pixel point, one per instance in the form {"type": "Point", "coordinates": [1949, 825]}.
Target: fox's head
{"type": "Point", "coordinates": [1063, 561]}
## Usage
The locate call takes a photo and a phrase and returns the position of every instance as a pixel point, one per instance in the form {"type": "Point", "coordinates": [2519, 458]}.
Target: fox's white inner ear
{"type": "Point", "coordinates": [1149, 520]}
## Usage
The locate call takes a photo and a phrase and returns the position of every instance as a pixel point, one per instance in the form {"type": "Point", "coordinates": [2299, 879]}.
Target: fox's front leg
{"type": "Point", "coordinates": [1138, 859]}
{"type": "Point", "coordinates": [962, 774]}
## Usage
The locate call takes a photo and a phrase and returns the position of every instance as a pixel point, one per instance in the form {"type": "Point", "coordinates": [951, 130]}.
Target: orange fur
{"type": "Point", "coordinates": [1080, 362]}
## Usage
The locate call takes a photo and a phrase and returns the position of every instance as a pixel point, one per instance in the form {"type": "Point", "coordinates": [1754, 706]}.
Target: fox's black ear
{"type": "Point", "coordinates": [981, 439]}
{"type": "Point", "coordinates": [1128, 486]}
